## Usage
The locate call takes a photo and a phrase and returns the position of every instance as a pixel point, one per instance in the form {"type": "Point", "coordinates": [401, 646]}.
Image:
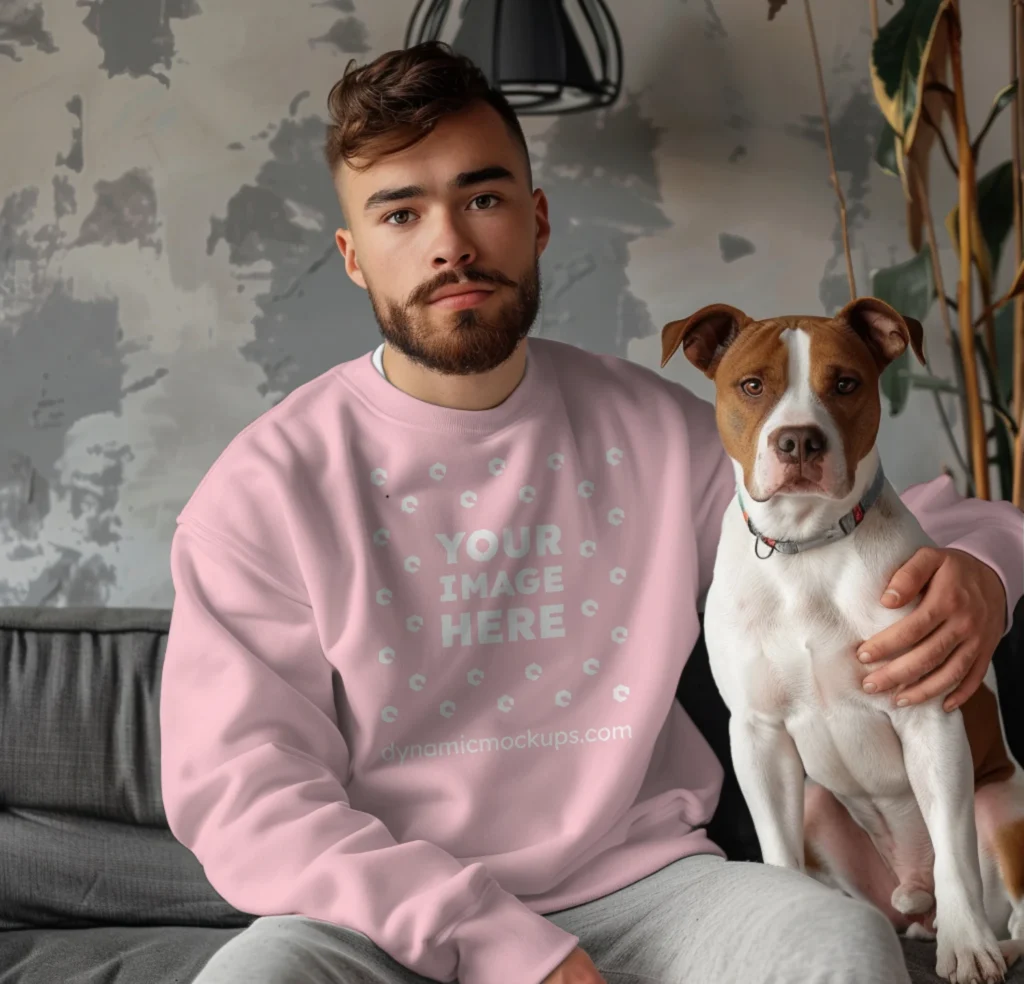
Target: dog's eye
{"type": "Point", "coordinates": [752, 387]}
{"type": "Point", "coordinates": [846, 385]}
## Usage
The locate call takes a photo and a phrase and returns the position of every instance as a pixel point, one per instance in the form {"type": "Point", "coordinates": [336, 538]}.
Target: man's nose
{"type": "Point", "coordinates": [798, 444]}
{"type": "Point", "coordinates": [453, 247]}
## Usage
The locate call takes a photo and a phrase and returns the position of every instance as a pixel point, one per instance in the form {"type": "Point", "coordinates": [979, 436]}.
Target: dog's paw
{"type": "Point", "coordinates": [969, 953]}
{"type": "Point", "coordinates": [912, 901]}
{"type": "Point", "coordinates": [1016, 926]}
{"type": "Point", "coordinates": [1012, 951]}
{"type": "Point", "coordinates": [917, 931]}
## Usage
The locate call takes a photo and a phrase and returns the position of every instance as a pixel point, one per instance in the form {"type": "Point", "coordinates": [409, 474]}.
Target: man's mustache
{"type": "Point", "coordinates": [422, 293]}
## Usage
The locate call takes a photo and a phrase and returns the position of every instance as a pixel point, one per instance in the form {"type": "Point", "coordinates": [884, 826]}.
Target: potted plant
{"type": "Point", "coordinates": [917, 77]}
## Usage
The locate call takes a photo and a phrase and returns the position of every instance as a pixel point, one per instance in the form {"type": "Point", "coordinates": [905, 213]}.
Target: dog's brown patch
{"type": "Point", "coordinates": [1009, 844]}
{"type": "Point", "coordinates": [838, 353]}
{"type": "Point", "coordinates": [988, 750]}
{"type": "Point", "coordinates": [812, 862]}
{"type": "Point", "coordinates": [759, 352]}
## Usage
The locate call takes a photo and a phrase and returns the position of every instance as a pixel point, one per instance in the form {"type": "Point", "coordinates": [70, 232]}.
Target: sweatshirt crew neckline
{"type": "Point", "coordinates": [528, 399]}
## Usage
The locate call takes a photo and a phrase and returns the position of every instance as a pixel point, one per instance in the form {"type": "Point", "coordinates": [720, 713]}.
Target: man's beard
{"type": "Point", "coordinates": [467, 342]}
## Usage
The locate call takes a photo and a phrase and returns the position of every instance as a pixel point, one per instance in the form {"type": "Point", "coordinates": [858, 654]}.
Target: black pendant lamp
{"type": "Point", "coordinates": [546, 56]}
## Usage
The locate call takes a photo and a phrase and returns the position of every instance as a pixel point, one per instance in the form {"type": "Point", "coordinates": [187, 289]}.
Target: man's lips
{"type": "Point", "coordinates": [459, 296]}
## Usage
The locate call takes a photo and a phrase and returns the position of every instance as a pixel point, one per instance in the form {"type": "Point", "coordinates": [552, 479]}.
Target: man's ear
{"type": "Point", "coordinates": [704, 335]}
{"type": "Point", "coordinates": [346, 246]}
{"type": "Point", "coordinates": [886, 332]}
{"type": "Point", "coordinates": [543, 222]}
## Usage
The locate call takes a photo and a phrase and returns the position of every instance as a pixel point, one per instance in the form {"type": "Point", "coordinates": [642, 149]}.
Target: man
{"type": "Point", "coordinates": [431, 610]}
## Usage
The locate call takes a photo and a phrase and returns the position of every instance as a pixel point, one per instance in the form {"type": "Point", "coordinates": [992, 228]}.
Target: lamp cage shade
{"type": "Point", "coordinates": [546, 56]}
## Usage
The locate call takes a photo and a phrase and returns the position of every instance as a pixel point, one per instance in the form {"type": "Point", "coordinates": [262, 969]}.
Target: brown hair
{"type": "Point", "coordinates": [397, 100]}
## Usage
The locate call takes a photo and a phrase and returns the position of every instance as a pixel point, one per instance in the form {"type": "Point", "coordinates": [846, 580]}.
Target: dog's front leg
{"type": "Point", "coordinates": [937, 757]}
{"type": "Point", "coordinates": [771, 778]}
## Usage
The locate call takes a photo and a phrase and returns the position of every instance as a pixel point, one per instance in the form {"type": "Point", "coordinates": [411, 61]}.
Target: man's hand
{"type": "Point", "coordinates": [949, 638]}
{"type": "Point", "coordinates": [576, 968]}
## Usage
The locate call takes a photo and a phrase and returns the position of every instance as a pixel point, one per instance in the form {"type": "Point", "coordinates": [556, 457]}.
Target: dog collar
{"type": "Point", "coordinates": [846, 525]}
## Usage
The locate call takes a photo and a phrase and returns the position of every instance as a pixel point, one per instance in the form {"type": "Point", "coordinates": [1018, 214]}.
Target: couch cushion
{"type": "Point", "coordinates": [79, 711]}
{"type": "Point", "coordinates": [64, 870]}
{"type": "Point", "coordinates": [83, 834]}
{"type": "Point", "coordinates": [108, 955]}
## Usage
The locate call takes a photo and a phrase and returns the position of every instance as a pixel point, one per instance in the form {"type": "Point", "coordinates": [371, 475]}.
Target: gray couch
{"type": "Point", "coordinates": [94, 889]}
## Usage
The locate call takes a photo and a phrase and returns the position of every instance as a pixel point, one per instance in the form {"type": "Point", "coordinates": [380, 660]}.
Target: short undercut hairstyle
{"type": "Point", "coordinates": [396, 100]}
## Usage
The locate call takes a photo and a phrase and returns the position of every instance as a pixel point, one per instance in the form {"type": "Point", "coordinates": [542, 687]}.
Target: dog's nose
{"type": "Point", "coordinates": [800, 443]}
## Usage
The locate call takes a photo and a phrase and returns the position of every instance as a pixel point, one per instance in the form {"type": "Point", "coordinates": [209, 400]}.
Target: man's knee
{"type": "Point", "coordinates": [852, 940]}
{"type": "Point", "coordinates": [276, 948]}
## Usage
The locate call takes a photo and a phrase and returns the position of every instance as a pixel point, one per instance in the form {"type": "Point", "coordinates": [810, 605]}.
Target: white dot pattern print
{"type": "Point", "coordinates": [478, 586]}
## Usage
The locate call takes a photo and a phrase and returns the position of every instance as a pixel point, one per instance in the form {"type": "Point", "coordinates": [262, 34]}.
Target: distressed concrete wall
{"type": "Point", "coordinates": [167, 267]}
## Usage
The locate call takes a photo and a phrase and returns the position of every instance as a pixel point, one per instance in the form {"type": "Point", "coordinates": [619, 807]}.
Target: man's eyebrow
{"type": "Point", "coordinates": [493, 173]}
{"type": "Point", "coordinates": [387, 196]}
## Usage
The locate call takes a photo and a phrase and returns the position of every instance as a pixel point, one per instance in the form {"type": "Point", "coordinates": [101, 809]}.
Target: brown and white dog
{"type": "Point", "coordinates": [865, 796]}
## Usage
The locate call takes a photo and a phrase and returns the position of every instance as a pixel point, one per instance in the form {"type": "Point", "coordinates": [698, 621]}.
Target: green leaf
{"type": "Point", "coordinates": [995, 218]}
{"type": "Point", "coordinates": [886, 150]}
{"type": "Point", "coordinates": [900, 58]}
{"type": "Point", "coordinates": [909, 287]}
{"type": "Point", "coordinates": [895, 383]}
{"type": "Point", "coordinates": [1004, 353]}
{"type": "Point", "coordinates": [995, 210]}
{"type": "Point", "coordinates": [1004, 97]}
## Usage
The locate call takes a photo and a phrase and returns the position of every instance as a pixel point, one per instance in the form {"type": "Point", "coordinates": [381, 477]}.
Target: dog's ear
{"type": "Point", "coordinates": [886, 332]}
{"type": "Point", "coordinates": [704, 335]}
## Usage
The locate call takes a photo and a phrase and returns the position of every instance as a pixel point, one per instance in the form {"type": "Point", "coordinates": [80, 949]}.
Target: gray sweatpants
{"type": "Point", "coordinates": [700, 920]}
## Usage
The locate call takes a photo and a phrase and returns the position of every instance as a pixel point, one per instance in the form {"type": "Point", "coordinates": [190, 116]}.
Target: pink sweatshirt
{"type": "Point", "coordinates": [421, 672]}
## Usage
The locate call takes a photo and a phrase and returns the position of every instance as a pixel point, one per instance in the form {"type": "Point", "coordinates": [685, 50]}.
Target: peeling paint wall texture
{"type": "Point", "coordinates": [168, 270]}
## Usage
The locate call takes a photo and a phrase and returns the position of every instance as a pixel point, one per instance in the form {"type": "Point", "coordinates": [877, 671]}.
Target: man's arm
{"type": "Point", "coordinates": [969, 586]}
{"type": "Point", "coordinates": [252, 767]}
{"type": "Point", "coordinates": [993, 532]}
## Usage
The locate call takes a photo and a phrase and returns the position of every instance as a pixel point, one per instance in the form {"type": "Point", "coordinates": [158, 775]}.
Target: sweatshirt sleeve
{"type": "Point", "coordinates": [991, 531]}
{"type": "Point", "coordinates": [253, 765]}
{"type": "Point", "coordinates": [712, 484]}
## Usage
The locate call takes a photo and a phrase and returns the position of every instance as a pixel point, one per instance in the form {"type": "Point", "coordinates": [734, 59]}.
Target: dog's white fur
{"type": "Point", "coordinates": [782, 636]}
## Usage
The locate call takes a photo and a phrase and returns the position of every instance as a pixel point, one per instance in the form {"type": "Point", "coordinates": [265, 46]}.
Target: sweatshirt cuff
{"type": "Point", "coordinates": [504, 940]}
{"type": "Point", "coordinates": [1002, 549]}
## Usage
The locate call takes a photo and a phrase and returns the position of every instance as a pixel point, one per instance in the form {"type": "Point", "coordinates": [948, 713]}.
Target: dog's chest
{"type": "Point", "coordinates": [783, 635]}
{"type": "Point", "coordinates": [807, 628]}
{"type": "Point", "coordinates": [787, 627]}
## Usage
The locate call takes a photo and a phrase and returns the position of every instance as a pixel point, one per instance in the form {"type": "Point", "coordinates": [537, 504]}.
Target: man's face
{"type": "Point", "coordinates": [453, 213]}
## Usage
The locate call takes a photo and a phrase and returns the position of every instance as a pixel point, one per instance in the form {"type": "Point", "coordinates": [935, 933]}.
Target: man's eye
{"type": "Point", "coordinates": [396, 215]}
{"type": "Point", "coordinates": [479, 197]}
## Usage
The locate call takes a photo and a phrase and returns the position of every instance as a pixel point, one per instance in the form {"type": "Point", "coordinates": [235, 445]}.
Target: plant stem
{"type": "Point", "coordinates": [927, 117]}
{"type": "Point", "coordinates": [995, 402]}
{"type": "Point", "coordinates": [988, 317]}
{"type": "Point", "coordinates": [948, 428]}
{"type": "Point", "coordinates": [966, 181]}
{"type": "Point", "coordinates": [947, 324]}
{"type": "Point", "coordinates": [1016, 127]}
{"type": "Point", "coordinates": [831, 156]}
